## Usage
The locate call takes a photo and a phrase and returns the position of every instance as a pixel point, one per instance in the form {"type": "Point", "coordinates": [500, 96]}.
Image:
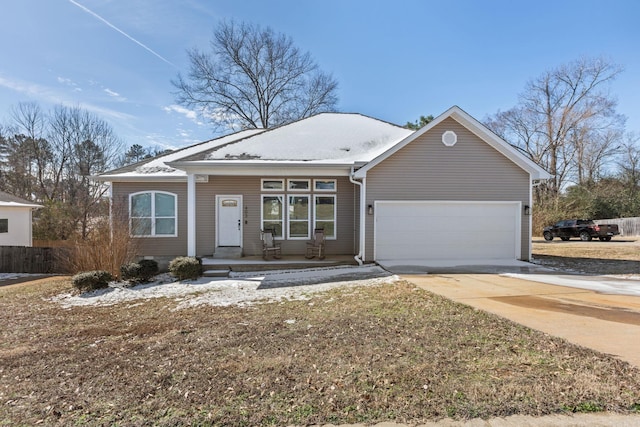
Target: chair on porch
{"type": "Point", "coordinates": [316, 246]}
{"type": "Point", "coordinates": [269, 247]}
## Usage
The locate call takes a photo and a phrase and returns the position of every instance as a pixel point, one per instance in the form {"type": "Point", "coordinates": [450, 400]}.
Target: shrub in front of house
{"type": "Point", "coordinates": [184, 268]}
{"type": "Point", "coordinates": [139, 272]}
{"type": "Point", "coordinates": [91, 280]}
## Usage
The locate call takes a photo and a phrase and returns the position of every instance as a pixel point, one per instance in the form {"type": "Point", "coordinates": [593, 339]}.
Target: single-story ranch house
{"type": "Point", "coordinates": [452, 190]}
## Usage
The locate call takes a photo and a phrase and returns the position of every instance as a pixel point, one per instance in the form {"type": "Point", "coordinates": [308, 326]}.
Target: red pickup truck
{"type": "Point", "coordinates": [585, 229]}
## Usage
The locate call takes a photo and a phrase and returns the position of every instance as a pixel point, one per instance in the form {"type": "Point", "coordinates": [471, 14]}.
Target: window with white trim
{"type": "Point", "coordinates": [325, 214]}
{"type": "Point", "coordinates": [298, 217]}
{"type": "Point", "coordinates": [324, 184]}
{"type": "Point", "coordinates": [153, 214]}
{"type": "Point", "coordinates": [273, 184]}
{"type": "Point", "coordinates": [298, 184]}
{"type": "Point", "coordinates": [4, 225]}
{"type": "Point", "coordinates": [293, 215]}
{"type": "Point", "coordinates": [273, 213]}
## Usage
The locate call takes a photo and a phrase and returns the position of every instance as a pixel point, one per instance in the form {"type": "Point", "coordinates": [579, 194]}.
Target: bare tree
{"type": "Point", "coordinates": [49, 158]}
{"type": "Point", "coordinates": [254, 78]}
{"type": "Point", "coordinates": [629, 161]}
{"type": "Point", "coordinates": [85, 145]}
{"type": "Point", "coordinates": [565, 119]}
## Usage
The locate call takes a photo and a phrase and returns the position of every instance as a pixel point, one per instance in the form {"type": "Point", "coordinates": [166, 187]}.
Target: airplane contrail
{"type": "Point", "coordinates": [89, 11]}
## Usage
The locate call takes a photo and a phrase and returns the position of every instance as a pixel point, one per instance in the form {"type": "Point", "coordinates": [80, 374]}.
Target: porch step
{"type": "Point", "coordinates": [287, 262]}
{"type": "Point", "coordinates": [227, 252]}
{"type": "Point", "coordinates": [216, 273]}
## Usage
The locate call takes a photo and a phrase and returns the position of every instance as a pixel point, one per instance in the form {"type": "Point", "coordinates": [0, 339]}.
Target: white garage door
{"type": "Point", "coordinates": [447, 230]}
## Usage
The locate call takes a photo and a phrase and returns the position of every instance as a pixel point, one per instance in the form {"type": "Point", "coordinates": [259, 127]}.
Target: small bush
{"type": "Point", "coordinates": [91, 280]}
{"type": "Point", "coordinates": [139, 272]}
{"type": "Point", "coordinates": [185, 268]}
{"type": "Point", "coordinates": [149, 267]}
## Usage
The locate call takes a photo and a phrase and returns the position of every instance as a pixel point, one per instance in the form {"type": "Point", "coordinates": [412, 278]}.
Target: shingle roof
{"type": "Point", "coordinates": [8, 200]}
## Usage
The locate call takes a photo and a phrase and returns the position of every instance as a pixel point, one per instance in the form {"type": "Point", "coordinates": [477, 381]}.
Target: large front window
{"type": "Point", "coordinates": [153, 213]}
{"type": "Point", "coordinates": [294, 216]}
{"type": "Point", "coordinates": [273, 214]}
{"type": "Point", "coordinates": [298, 217]}
{"type": "Point", "coordinates": [325, 215]}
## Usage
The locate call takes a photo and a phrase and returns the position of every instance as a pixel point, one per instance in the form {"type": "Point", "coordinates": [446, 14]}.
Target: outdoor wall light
{"type": "Point", "coordinates": [370, 209]}
{"type": "Point", "coordinates": [527, 210]}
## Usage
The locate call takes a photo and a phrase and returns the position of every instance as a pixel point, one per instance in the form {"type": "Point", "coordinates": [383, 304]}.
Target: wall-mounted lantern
{"type": "Point", "coordinates": [527, 210]}
{"type": "Point", "coordinates": [370, 209]}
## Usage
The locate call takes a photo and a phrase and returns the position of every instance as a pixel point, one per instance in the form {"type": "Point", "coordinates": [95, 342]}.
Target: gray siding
{"type": "Point", "coordinates": [249, 187]}
{"type": "Point", "coordinates": [426, 169]}
{"type": "Point", "coordinates": [155, 246]}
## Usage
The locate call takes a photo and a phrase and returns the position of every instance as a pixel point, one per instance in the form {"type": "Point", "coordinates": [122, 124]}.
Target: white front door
{"type": "Point", "coordinates": [229, 220]}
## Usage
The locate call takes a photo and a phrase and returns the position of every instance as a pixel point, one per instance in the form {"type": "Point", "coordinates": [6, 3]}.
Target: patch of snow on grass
{"type": "Point", "coordinates": [12, 276]}
{"type": "Point", "coordinates": [242, 289]}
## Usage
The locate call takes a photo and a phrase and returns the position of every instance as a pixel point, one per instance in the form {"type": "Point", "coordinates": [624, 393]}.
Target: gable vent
{"type": "Point", "coordinates": [449, 138]}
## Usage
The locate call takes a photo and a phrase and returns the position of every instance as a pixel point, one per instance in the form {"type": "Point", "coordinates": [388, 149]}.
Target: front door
{"type": "Point", "coordinates": [229, 220]}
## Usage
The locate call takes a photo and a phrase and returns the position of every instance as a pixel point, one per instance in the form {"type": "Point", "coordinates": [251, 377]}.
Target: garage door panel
{"type": "Point", "coordinates": [446, 230]}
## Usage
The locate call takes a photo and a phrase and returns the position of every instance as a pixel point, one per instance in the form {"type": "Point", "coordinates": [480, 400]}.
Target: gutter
{"type": "Point", "coordinates": [362, 185]}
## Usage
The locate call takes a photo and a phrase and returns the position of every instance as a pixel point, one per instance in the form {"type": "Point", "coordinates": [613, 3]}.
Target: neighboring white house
{"type": "Point", "coordinates": [15, 220]}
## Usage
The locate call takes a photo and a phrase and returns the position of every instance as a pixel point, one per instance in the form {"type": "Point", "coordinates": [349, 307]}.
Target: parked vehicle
{"type": "Point", "coordinates": [585, 229]}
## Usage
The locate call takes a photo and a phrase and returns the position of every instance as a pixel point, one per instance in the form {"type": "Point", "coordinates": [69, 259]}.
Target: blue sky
{"type": "Point", "coordinates": [394, 60]}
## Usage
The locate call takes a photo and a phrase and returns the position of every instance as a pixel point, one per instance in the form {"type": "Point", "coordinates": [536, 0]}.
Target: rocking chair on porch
{"type": "Point", "coordinates": [316, 246]}
{"type": "Point", "coordinates": [269, 246]}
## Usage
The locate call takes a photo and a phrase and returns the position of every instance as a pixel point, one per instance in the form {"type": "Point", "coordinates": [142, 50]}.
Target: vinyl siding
{"type": "Point", "coordinates": [19, 226]}
{"type": "Point", "coordinates": [426, 169]}
{"type": "Point", "coordinates": [249, 187]}
{"type": "Point", "coordinates": [155, 246]}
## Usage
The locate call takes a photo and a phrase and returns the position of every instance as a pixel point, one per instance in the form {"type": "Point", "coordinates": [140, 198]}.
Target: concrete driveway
{"type": "Point", "coordinates": [606, 322]}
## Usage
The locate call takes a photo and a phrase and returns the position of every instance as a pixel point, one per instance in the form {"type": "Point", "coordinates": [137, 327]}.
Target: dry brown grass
{"type": "Point", "coordinates": [392, 352]}
{"type": "Point", "coordinates": [619, 256]}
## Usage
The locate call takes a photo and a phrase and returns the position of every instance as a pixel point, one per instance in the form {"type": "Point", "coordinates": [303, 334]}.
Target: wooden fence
{"type": "Point", "coordinates": [22, 259]}
{"type": "Point", "coordinates": [627, 226]}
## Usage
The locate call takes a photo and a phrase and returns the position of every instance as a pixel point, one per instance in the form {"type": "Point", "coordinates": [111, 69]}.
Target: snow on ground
{"type": "Point", "coordinates": [241, 289]}
{"type": "Point", "coordinates": [629, 285]}
{"type": "Point", "coordinates": [12, 276]}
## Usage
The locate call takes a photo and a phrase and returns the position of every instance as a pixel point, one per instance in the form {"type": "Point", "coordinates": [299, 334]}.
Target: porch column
{"type": "Point", "coordinates": [191, 214]}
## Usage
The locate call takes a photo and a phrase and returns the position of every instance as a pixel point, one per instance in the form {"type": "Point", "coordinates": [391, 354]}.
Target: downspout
{"type": "Point", "coordinates": [362, 185]}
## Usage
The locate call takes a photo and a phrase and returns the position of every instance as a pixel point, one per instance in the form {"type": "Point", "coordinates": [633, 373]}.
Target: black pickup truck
{"type": "Point", "coordinates": [585, 229]}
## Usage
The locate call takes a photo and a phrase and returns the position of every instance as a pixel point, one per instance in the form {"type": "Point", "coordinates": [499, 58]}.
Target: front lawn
{"type": "Point", "coordinates": [355, 354]}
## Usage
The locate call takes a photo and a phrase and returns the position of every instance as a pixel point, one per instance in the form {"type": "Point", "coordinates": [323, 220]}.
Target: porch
{"type": "Point", "coordinates": [220, 267]}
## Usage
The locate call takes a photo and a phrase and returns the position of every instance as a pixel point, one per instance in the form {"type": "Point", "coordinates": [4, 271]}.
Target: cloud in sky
{"type": "Point", "coordinates": [30, 89]}
{"type": "Point", "coordinates": [114, 94]}
{"type": "Point", "coordinates": [110, 25]}
{"type": "Point", "coordinates": [189, 114]}
{"type": "Point", "coordinates": [51, 96]}
{"type": "Point", "coordinates": [70, 83]}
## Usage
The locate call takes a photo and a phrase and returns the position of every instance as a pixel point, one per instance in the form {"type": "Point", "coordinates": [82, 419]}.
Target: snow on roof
{"type": "Point", "coordinates": [336, 137]}
{"type": "Point", "coordinates": [158, 167]}
{"type": "Point", "coordinates": [159, 164]}
{"type": "Point", "coordinates": [10, 201]}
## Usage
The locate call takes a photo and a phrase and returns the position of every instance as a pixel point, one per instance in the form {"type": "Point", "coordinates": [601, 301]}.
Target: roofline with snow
{"type": "Point", "coordinates": [263, 167]}
{"type": "Point", "coordinates": [480, 130]}
{"type": "Point", "coordinates": [20, 205]}
{"type": "Point", "coordinates": [238, 168]}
